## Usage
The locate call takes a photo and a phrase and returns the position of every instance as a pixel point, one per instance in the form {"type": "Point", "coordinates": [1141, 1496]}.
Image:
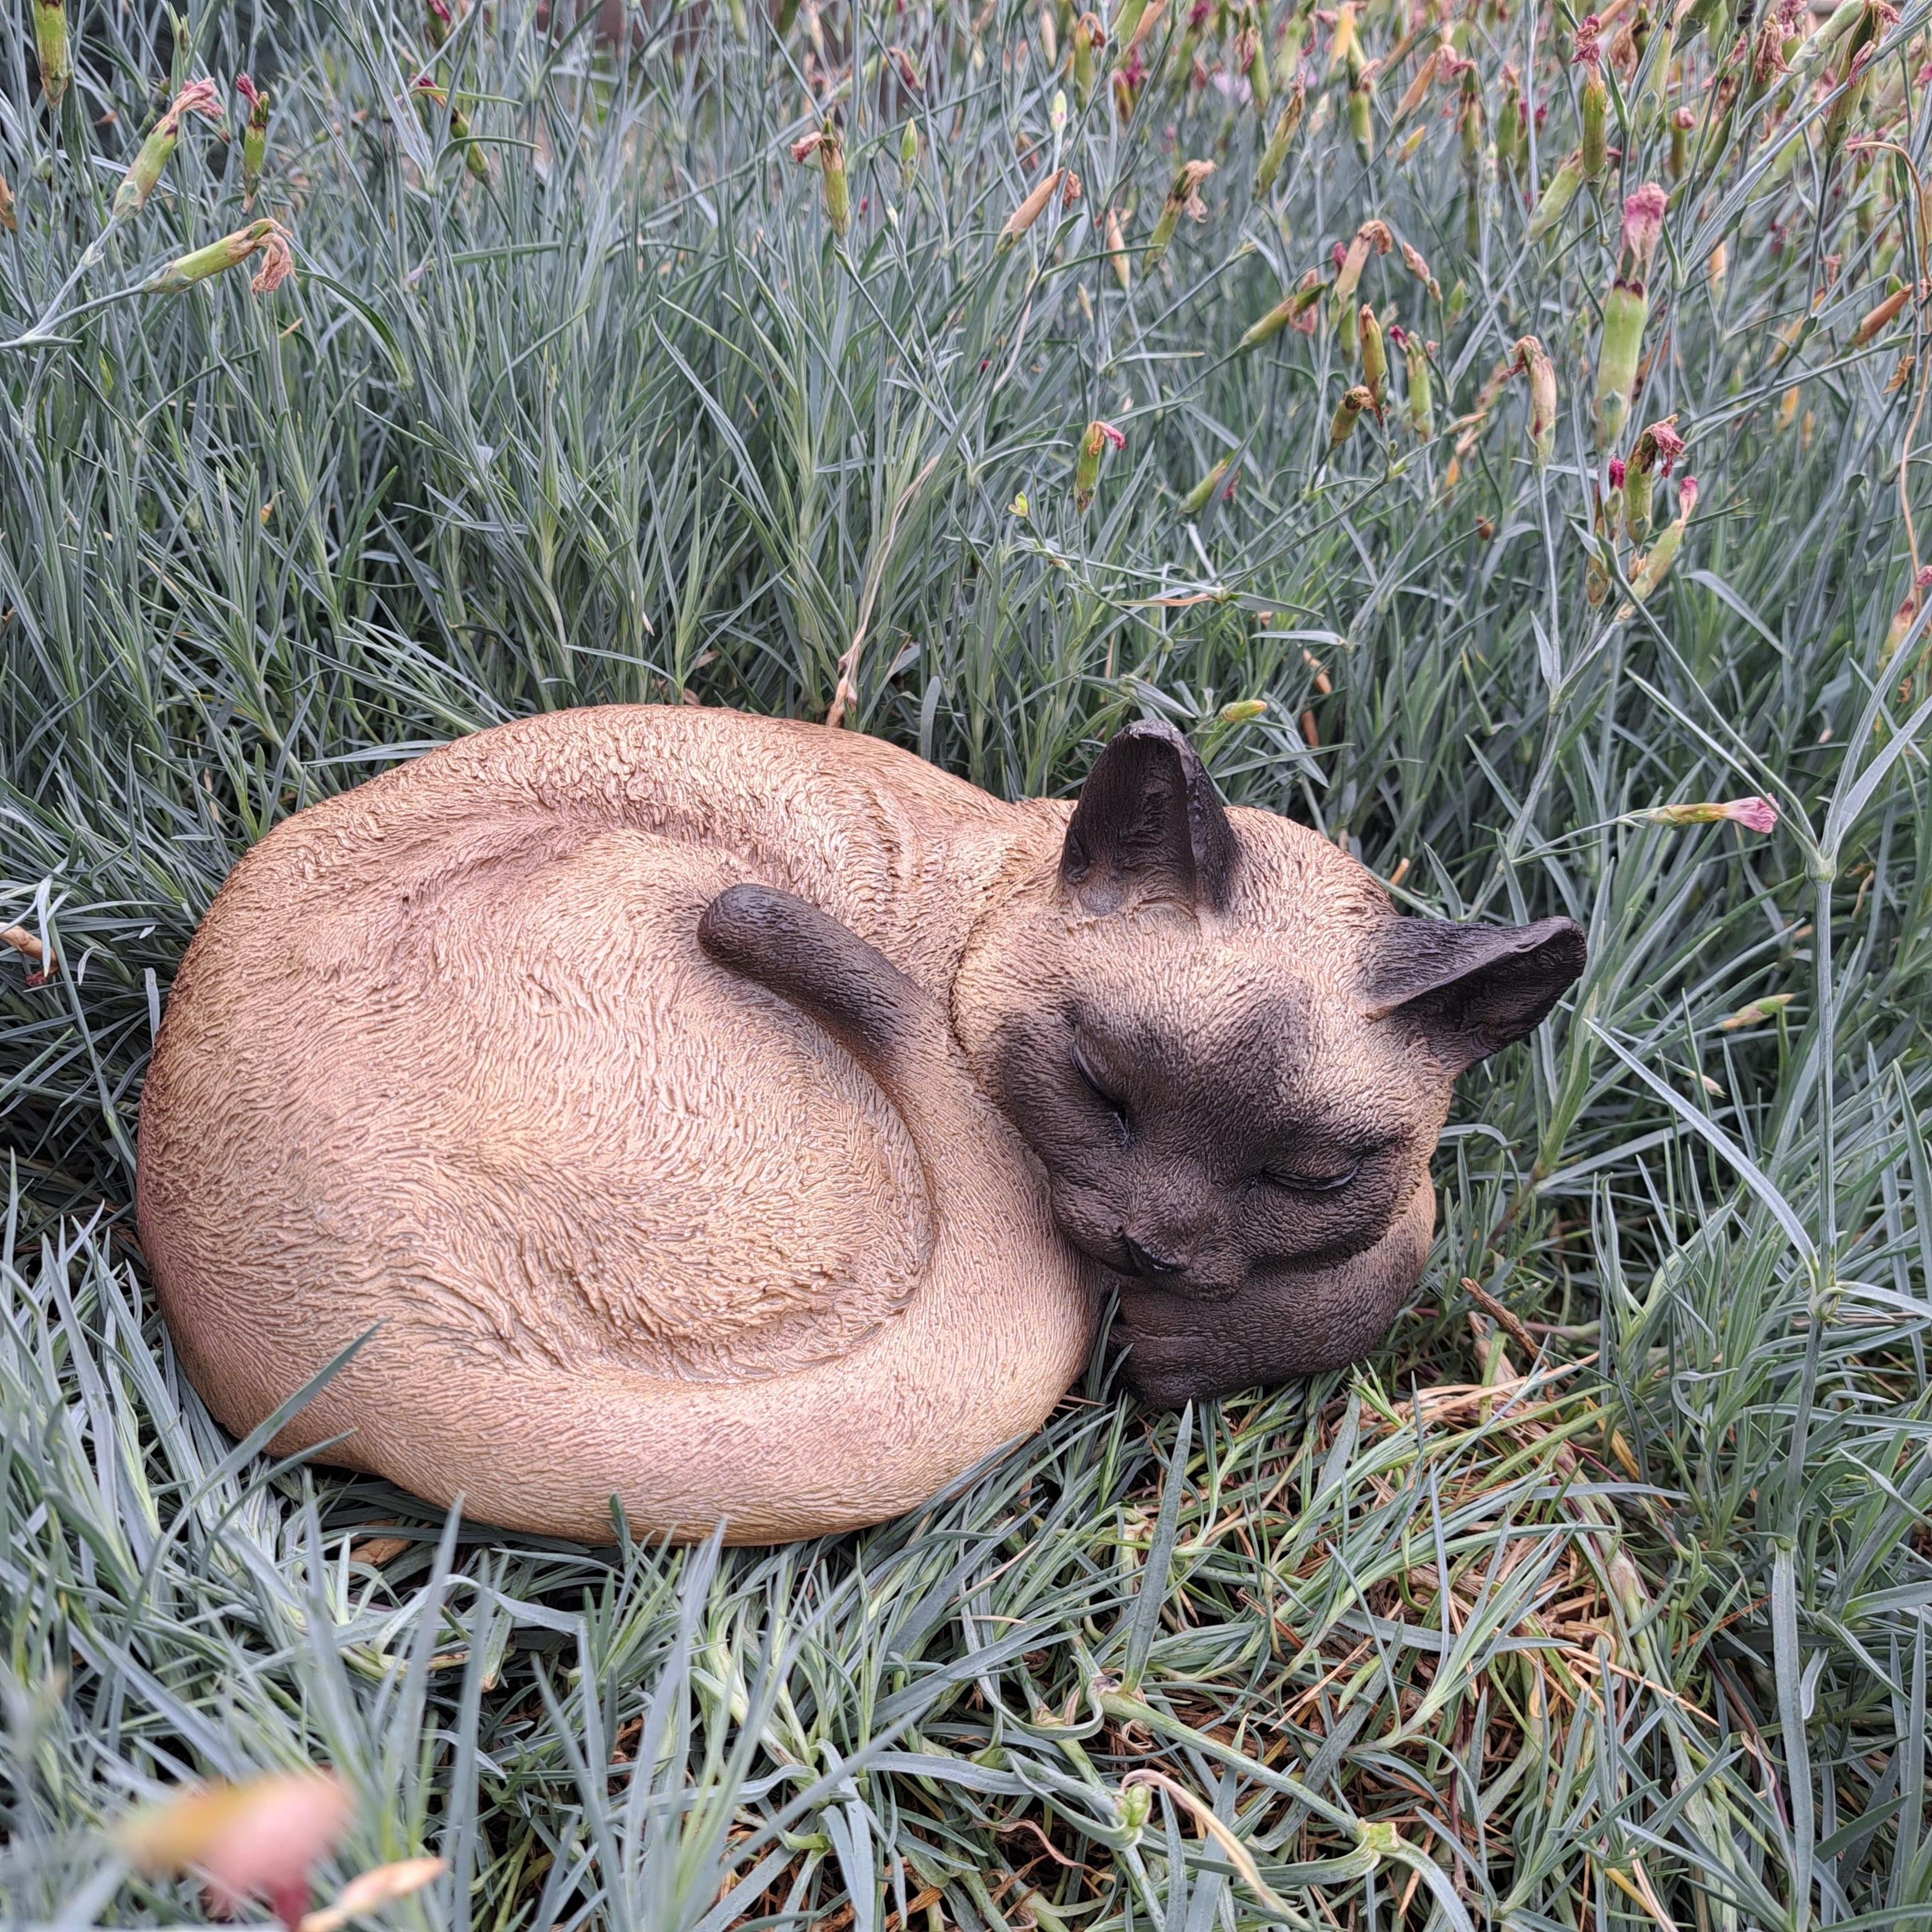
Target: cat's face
{"type": "Point", "coordinates": [1233, 1060]}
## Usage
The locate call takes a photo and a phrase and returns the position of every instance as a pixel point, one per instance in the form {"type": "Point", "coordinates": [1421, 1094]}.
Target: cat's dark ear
{"type": "Point", "coordinates": [1472, 989]}
{"type": "Point", "coordinates": [1148, 826]}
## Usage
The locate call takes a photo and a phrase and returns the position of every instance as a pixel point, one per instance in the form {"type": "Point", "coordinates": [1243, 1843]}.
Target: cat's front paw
{"type": "Point", "coordinates": [1168, 1370]}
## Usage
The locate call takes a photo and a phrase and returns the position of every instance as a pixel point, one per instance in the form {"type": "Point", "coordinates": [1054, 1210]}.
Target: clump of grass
{"type": "Point", "coordinates": [1598, 1597]}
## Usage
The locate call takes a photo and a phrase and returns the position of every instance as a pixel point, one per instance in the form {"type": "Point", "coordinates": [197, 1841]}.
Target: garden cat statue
{"type": "Point", "coordinates": [742, 1120]}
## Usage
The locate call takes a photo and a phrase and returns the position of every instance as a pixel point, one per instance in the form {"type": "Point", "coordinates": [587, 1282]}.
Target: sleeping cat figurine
{"type": "Point", "coordinates": [743, 1121]}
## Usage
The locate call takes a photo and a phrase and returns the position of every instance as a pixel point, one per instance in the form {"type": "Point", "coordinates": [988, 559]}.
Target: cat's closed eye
{"type": "Point", "coordinates": [1295, 1181]}
{"type": "Point", "coordinates": [1101, 1090]}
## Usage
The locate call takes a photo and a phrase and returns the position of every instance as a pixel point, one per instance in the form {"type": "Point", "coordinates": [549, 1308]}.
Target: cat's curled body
{"type": "Point", "coordinates": [742, 1119]}
{"type": "Point", "coordinates": [447, 1060]}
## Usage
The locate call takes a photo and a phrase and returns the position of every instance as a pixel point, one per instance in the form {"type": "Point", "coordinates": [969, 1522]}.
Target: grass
{"type": "Point", "coordinates": [1612, 1615]}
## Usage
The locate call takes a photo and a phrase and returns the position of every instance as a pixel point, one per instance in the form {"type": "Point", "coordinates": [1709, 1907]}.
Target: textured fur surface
{"type": "Point", "coordinates": [779, 1204]}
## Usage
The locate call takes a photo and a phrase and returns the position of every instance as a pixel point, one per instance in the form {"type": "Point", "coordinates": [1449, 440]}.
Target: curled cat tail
{"type": "Point", "coordinates": [996, 1327]}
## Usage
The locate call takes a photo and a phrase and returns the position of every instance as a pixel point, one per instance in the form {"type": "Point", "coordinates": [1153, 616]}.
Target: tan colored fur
{"type": "Point", "coordinates": [445, 1056]}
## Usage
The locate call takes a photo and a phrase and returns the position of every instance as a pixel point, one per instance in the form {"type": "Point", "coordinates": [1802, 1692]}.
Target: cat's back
{"type": "Point", "coordinates": [445, 1049]}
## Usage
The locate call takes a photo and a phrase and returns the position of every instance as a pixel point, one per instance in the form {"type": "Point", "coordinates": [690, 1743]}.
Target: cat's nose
{"type": "Point", "coordinates": [1142, 1262]}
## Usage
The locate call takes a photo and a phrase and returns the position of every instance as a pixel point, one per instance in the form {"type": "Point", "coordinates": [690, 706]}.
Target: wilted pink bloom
{"type": "Point", "coordinates": [1398, 336]}
{"type": "Point", "coordinates": [1588, 49]}
{"type": "Point", "coordinates": [1643, 224]}
{"type": "Point", "coordinates": [1669, 444]}
{"type": "Point", "coordinates": [1114, 438]}
{"type": "Point", "coordinates": [247, 89]}
{"type": "Point", "coordinates": [258, 1840]}
{"type": "Point", "coordinates": [278, 261]}
{"type": "Point", "coordinates": [199, 97]}
{"type": "Point", "coordinates": [1616, 473]}
{"type": "Point", "coordinates": [1754, 814]}
{"type": "Point", "coordinates": [1234, 87]}
{"type": "Point", "coordinates": [801, 151]}
{"type": "Point", "coordinates": [1338, 254]}
{"type": "Point", "coordinates": [1198, 15]}
{"type": "Point", "coordinates": [1687, 498]}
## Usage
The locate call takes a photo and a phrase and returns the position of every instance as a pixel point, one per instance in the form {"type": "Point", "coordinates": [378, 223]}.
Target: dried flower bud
{"type": "Point", "coordinates": [1531, 357]}
{"type": "Point", "coordinates": [1342, 425]}
{"type": "Point", "coordinates": [1878, 319]}
{"type": "Point", "coordinates": [1116, 250]}
{"type": "Point", "coordinates": [1030, 210]}
{"type": "Point", "coordinates": [1198, 498]}
{"type": "Point", "coordinates": [1413, 261]}
{"type": "Point", "coordinates": [1587, 49]}
{"type": "Point", "coordinates": [8, 220]}
{"type": "Point", "coordinates": [51, 44]}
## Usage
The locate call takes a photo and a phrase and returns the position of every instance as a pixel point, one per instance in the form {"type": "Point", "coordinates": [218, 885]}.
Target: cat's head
{"type": "Point", "coordinates": [1233, 1059]}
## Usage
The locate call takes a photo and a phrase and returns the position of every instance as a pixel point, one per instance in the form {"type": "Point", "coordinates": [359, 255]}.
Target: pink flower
{"type": "Point", "coordinates": [1114, 438]}
{"type": "Point", "coordinates": [247, 89]}
{"type": "Point", "coordinates": [1687, 498]}
{"type": "Point", "coordinates": [1588, 49]}
{"type": "Point", "coordinates": [1199, 14]}
{"type": "Point", "coordinates": [1670, 445]}
{"type": "Point", "coordinates": [1338, 254]}
{"type": "Point", "coordinates": [801, 151]}
{"type": "Point", "coordinates": [1616, 473]}
{"type": "Point", "coordinates": [1754, 814]}
{"type": "Point", "coordinates": [253, 1840]}
{"type": "Point", "coordinates": [278, 261]}
{"type": "Point", "coordinates": [1643, 224]}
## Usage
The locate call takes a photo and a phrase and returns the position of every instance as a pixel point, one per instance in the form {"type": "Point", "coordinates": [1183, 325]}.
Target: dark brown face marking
{"type": "Point", "coordinates": [1234, 1060]}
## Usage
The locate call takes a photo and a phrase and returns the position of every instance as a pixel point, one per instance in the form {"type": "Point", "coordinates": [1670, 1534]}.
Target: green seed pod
{"type": "Point", "coordinates": [1279, 142]}
{"type": "Point", "coordinates": [1278, 318]}
{"type": "Point", "coordinates": [50, 43]}
{"type": "Point", "coordinates": [1559, 192]}
{"type": "Point", "coordinates": [1421, 397]}
{"type": "Point", "coordinates": [781, 21]}
{"type": "Point", "coordinates": [1681, 122]}
{"type": "Point", "coordinates": [1342, 425]}
{"type": "Point", "coordinates": [1625, 308]}
{"type": "Point", "coordinates": [1509, 128]}
{"type": "Point", "coordinates": [838, 195]}
{"type": "Point", "coordinates": [1348, 332]}
{"type": "Point", "coordinates": [1083, 65]}
{"type": "Point", "coordinates": [1636, 497]}
{"type": "Point", "coordinates": [1361, 125]}
{"type": "Point", "coordinates": [139, 182]}
{"type": "Point", "coordinates": [909, 154]}
{"type": "Point", "coordinates": [1260, 84]}
{"type": "Point", "coordinates": [1596, 107]}
{"type": "Point", "coordinates": [1198, 498]}
{"type": "Point", "coordinates": [1374, 357]}
{"type": "Point", "coordinates": [254, 136]}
